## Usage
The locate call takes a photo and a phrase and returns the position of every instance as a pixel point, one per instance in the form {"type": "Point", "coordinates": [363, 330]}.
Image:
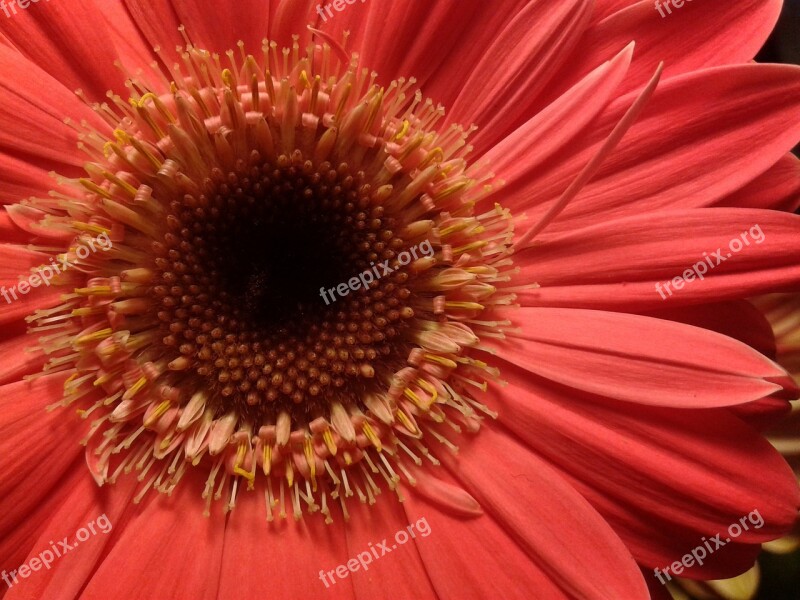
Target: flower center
{"type": "Point", "coordinates": [297, 284]}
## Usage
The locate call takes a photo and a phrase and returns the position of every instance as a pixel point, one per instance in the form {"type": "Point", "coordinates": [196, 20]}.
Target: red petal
{"type": "Point", "coordinates": [219, 28]}
{"type": "Point", "coordinates": [559, 530]}
{"type": "Point", "coordinates": [554, 127]}
{"type": "Point", "coordinates": [468, 554]}
{"type": "Point", "coordinates": [36, 446]}
{"type": "Point", "coordinates": [517, 67]}
{"type": "Point", "coordinates": [167, 531]}
{"type": "Point", "coordinates": [745, 113]}
{"type": "Point", "coordinates": [618, 264]}
{"type": "Point", "coordinates": [65, 40]}
{"type": "Point", "coordinates": [693, 37]}
{"type": "Point", "coordinates": [400, 572]}
{"type": "Point", "coordinates": [81, 505]}
{"type": "Point", "coordinates": [295, 553]}
{"type": "Point", "coordinates": [777, 189]}
{"type": "Point", "coordinates": [739, 319]}
{"type": "Point", "coordinates": [16, 360]}
{"type": "Point", "coordinates": [31, 122]}
{"type": "Point", "coordinates": [638, 359]}
{"type": "Point", "coordinates": [663, 477]}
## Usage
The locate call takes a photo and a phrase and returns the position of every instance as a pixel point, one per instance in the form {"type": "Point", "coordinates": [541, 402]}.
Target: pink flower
{"type": "Point", "coordinates": [555, 423]}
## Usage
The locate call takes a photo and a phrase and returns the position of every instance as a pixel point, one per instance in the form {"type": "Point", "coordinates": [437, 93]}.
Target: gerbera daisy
{"type": "Point", "coordinates": [286, 290]}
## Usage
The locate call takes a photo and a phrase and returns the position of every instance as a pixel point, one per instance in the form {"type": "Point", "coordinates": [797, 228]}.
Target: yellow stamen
{"type": "Point", "coordinates": [372, 436]}
{"type": "Point", "coordinates": [237, 467]}
{"type": "Point", "coordinates": [403, 130]}
{"type": "Point", "coordinates": [328, 439]}
{"type": "Point", "coordinates": [135, 388]}
{"type": "Point", "coordinates": [406, 421]}
{"type": "Point", "coordinates": [157, 413]}
{"type": "Point", "coordinates": [308, 450]}
{"type": "Point", "coordinates": [267, 465]}
{"type": "Point", "coordinates": [94, 337]}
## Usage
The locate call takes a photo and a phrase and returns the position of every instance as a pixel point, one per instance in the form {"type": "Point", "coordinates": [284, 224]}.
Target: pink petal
{"type": "Point", "coordinates": [81, 504]}
{"type": "Point", "coordinates": [693, 37]}
{"type": "Point", "coordinates": [671, 156]}
{"type": "Point", "coordinates": [605, 8]}
{"type": "Point", "coordinates": [467, 554]}
{"type": "Point", "coordinates": [617, 263]}
{"type": "Point", "coordinates": [554, 127]}
{"type": "Point", "coordinates": [20, 539]}
{"type": "Point", "coordinates": [558, 530]}
{"type": "Point", "coordinates": [447, 37]}
{"type": "Point", "coordinates": [32, 123]}
{"type": "Point", "coordinates": [64, 39]}
{"type": "Point", "coordinates": [739, 320]}
{"type": "Point", "coordinates": [386, 522]}
{"type": "Point", "coordinates": [27, 433]}
{"type": "Point", "coordinates": [664, 478]}
{"type": "Point", "coordinates": [638, 359]}
{"type": "Point", "coordinates": [166, 531]}
{"type": "Point", "coordinates": [16, 360]}
{"type": "Point", "coordinates": [777, 189]}
{"type": "Point", "coordinates": [220, 29]}
{"type": "Point", "coordinates": [517, 67]}
{"type": "Point", "coordinates": [281, 573]}
{"type": "Point", "coordinates": [157, 22]}
{"type": "Point", "coordinates": [130, 45]}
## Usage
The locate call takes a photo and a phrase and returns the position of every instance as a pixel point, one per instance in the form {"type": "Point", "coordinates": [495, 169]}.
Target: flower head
{"type": "Point", "coordinates": [291, 283]}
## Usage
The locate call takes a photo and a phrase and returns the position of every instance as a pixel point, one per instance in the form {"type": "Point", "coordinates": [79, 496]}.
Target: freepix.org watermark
{"type": "Point", "coordinates": [44, 274]}
{"type": "Point", "coordinates": [365, 278]}
{"type": "Point", "coordinates": [700, 268]}
{"type": "Point", "coordinates": [9, 7]}
{"type": "Point", "coordinates": [664, 5]}
{"type": "Point", "coordinates": [46, 557]}
{"type": "Point", "coordinates": [374, 552]}
{"type": "Point", "coordinates": [338, 6]}
{"type": "Point", "coordinates": [709, 546]}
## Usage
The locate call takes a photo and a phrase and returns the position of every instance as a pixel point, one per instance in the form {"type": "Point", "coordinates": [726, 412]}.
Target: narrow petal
{"type": "Point", "coordinates": [32, 123]}
{"type": "Point", "coordinates": [19, 540]}
{"type": "Point", "coordinates": [457, 556]}
{"type": "Point", "coordinates": [695, 36]}
{"type": "Point", "coordinates": [531, 50]}
{"type": "Point", "coordinates": [16, 262]}
{"type": "Point", "coordinates": [222, 28]}
{"type": "Point", "coordinates": [739, 320]}
{"type": "Point", "coordinates": [638, 359]}
{"type": "Point", "coordinates": [499, 472]}
{"type": "Point", "coordinates": [82, 506]}
{"type": "Point", "coordinates": [17, 359]}
{"type": "Point", "coordinates": [631, 264]}
{"type": "Point", "coordinates": [664, 478]}
{"type": "Point", "coordinates": [131, 46]}
{"type": "Point", "coordinates": [550, 130]}
{"type": "Point", "coordinates": [28, 431]}
{"type": "Point", "coordinates": [777, 189]}
{"type": "Point", "coordinates": [167, 531]}
{"type": "Point", "coordinates": [446, 38]}
{"type": "Point", "coordinates": [21, 178]}
{"type": "Point", "coordinates": [744, 113]}
{"type": "Point", "coordinates": [10, 232]}
{"type": "Point", "coordinates": [68, 41]}
{"type": "Point", "coordinates": [605, 8]}
{"type": "Point", "coordinates": [396, 539]}
{"type": "Point", "coordinates": [280, 574]}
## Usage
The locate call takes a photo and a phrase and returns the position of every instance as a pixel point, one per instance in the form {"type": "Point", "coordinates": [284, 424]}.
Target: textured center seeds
{"type": "Point", "coordinates": [239, 281]}
{"type": "Point", "coordinates": [298, 286]}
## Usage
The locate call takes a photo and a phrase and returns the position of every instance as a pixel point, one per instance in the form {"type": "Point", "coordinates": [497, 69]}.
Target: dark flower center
{"type": "Point", "coordinates": [240, 272]}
